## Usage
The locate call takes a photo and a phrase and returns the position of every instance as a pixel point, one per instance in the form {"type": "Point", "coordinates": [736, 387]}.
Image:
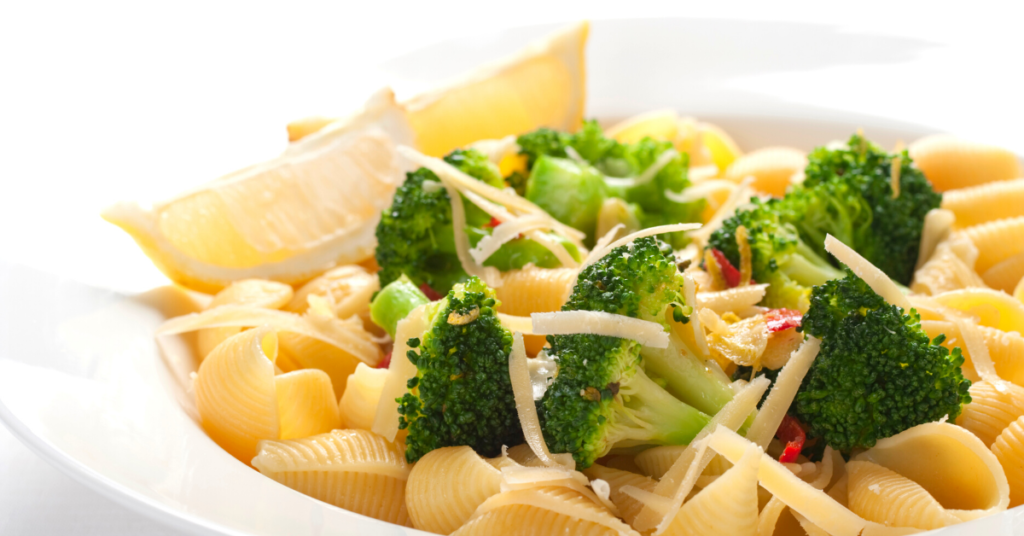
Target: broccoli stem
{"type": "Point", "coordinates": [649, 414]}
{"type": "Point", "coordinates": [394, 302]}
{"type": "Point", "coordinates": [807, 268]}
{"type": "Point", "coordinates": [687, 378]}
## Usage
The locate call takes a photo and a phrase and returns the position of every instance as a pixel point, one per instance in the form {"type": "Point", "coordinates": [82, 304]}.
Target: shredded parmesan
{"type": "Point", "coordinates": [894, 170]}
{"type": "Point", "coordinates": [496, 150]}
{"type": "Point", "coordinates": [875, 278]}
{"type": "Point", "coordinates": [647, 175]}
{"type": "Point", "coordinates": [506, 232]}
{"type": "Point", "coordinates": [703, 190]}
{"type": "Point", "coordinates": [734, 299]}
{"type": "Point", "coordinates": [522, 324]}
{"type": "Point", "coordinates": [938, 223]}
{"type": "Point", "coordinates": [739, 196]}
{"type": "Point", "coordinates": [645, 332]}
{"type": "Point", "coordinates": [522, 389]}
{"type": "Point", "coordinates": [599, 252]}
{"type": "Point", "coordinates": [489, 274]}
{"type": "Point", "coordinates": [690, 293]}
{"type": "Point", "coordinates": [782, 394]}
{"type": "Point", "coordinates": [401, 370]}
{"type": "Point", "coordinates": [974, 339]}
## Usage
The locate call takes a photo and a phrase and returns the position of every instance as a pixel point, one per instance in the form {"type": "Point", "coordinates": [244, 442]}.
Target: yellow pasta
{"type": "Point", "coordinates": [235, 392]}
{"type": "Point", "coordinates": [726, 506]}
{"type": "Point", "coordinates": [347, 288]}
{"type": "Point", "coordinates": [309, 353]}
{"type": "Point", "coordinates": [883, 496]}
{"type": "Point", "coordinates": [656, 461]}
{"type": "Point", "coordinates": [251, 292]}
{"type": "Point", "coordinates": [306, 404]}
{"type": "Point", "coordinates": [628, 507]}
{"type": "Point", "coordinates": [992, 308]}
{"type": "Point", "coordinates": [446, 486]}
{"type": "Point", "coordinates": [542, 511]}
{"type": "Point", "coordinates": [996, 241]}
{"type": "Point", "coordinates": [951, 163]}
{"type": "Point", "coordinates": [1005, 349]}
{"type": "Point", "coordinates": [1009, 450]}
{"type": "Point", "coordinates": [352, 469]}
{"type": "Point", "coordinates": [358, 404]}
{"type": "Point", "coordinates": [1007, 274]}
{"type": "Point", "coordinates": [986, 202]}
{"type": "Point", "coordinates": [991, 411]}
{"type": "Point", "coordinates": [951, 267]}
{"type": "Point", "coordinates": [534, 290]}
{"type": "Point", "coordinates": [772, 168]}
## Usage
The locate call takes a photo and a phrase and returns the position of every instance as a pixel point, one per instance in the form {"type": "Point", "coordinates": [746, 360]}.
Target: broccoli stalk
{"type": "Point", "coordinates": [877, 373]}
{"type": "Point", "coordinates": [415, 235]}
{"type": "Point", "coordinates": [461, 394]}
{"type": "Point", "coordinates": [779, 255]}
{"type": "Point", "coordinates": [611, 393]}
{"type": "Point", "coordinates": [394, 302]}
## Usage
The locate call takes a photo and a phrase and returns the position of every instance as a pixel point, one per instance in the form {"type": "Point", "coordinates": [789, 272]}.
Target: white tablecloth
{"type": "Point", "coordinates": [90, 90]}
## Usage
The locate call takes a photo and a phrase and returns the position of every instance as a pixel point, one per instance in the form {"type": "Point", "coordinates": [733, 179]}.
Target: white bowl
{"type": "Point", "coordinates": [84, 384]}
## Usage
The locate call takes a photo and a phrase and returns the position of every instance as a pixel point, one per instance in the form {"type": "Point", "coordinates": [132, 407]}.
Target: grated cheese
{"type": "Point", "coordinates": [739, 196]}
{"type": "Point", "coordinates": [645, 332]}
{"type": "Point", "coordinates": [401, 370]}
{"type": "Point", "coordinates": [875, 278]}
{"type": "Point", "coordinates": [646, 176]}
{"type": "Point", "coordinates": [522, 389]}
{"type": "Point", "coordinates": [782, 394]}
{"type": "Point", "coordinates": [599, 252]}
{"type": "Point", "coordinates": [938, 223]}
{"type": "Point", "coordinates": [505, 232]}
{"type": "Point", "coordinates": [690, 293]}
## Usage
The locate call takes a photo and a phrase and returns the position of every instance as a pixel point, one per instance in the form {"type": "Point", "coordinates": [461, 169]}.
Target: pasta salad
{"type": "Point", "coordinates": [476, 312]}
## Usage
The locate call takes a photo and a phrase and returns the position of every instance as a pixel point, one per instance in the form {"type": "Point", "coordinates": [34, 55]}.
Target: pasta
{"type": "Point", "coordinates": [352, 469]}
{"type": "Point", "coordinates": [773, 168]}
{"type": "Point", "coordinates": [306, 404]}
{"type": "Point", "coordinates": [951, 267]}
{"type": "Point", "coordinates": [1005, 349]}
{"type": "Point", "coordinates": [629, 508]}
{"type": "Point", "coordinates": [951, 163]}
{"type": "Point", "coordinates": [534, 290]}
{"type": "Point", "coordinates": [1006, 274]}
{"type": "Point", "coordinates": [1009, 450]}
{"type": "Point", "coordinates": [996, 241]}
{"type": "Point", "coordinates": [986, 202]}
{"type": "Point", "coordinates": [358, 404]}
{"type": "Point", "coordinates": [446, 486]}
{"type": "Point", "coordinates": [543, 511]}
{"type": "Point", "coordinates": [991, 308]}
{"type": "Point", "coordinates": [250, 292]}
{"type": "Point", "coordinates": [991, 410]}
{"type": "Point", "coordinates": [883, 496]}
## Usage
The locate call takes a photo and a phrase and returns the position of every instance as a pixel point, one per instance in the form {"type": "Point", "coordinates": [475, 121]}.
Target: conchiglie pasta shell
{"type": "Point", "coordinates": [991, 411]}
{"type": "Point", "coordinates": [446, 486]}
{"type": "Point", "coordinates": [726, 506]}
{"type": "Point", "coordinates": [656, 461]}
{"type": "Point", "coordinates": [235, 393]}
{"type": "Point", "coordinates": [986, 202]}
{"type": "Point", "coordinates": [541, 511]}
{"type": "Point", "coordinates": [950, 163]}
{"type": "Point", "coordinates": [252, 292]}
{"type": "Point", "coordinates": [952, 464]}
{"type": "Point", "coordinates": [1009, 450]}
{"type": "Point", "coordinates": [348, 289]}
{"type": "Point", "coordinates": [883, 496]}
{"type": "Point", "coordinates": [306, 404]}
{"type": "Point", "coordinates": [358, 404]}
{"type": "Point", "coordinates": [772, 168]}
{"type": "Point", "coordinates": [628, 507]}
{"type": "Point", "coordinates": [993, 308]}
{"type": "Point", "coordinates": [996, 241]}
{"type": "Point", "coordinates": [1005, 349]}
{"type": "Point", "coordinates": [1007, 274]}
{"type": "Point", "coordinates": [352, 469]}
{"type": "Point", "coordinates": [534, 290]}
{"type": "Point", "coordinates": [951, 267]}
{"type": "Point", "coordinates": [309, 353]}
{"type": "Point", "coordinates": [524, 455]}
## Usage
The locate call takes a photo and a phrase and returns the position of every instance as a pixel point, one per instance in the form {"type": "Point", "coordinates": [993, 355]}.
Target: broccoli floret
{"type": "Point", "coordinates": [779, 255]}
{"type": "Point", "coordinates": [877, 373]}
{"type": "Point", "coordinates": [613, 393]}
{"type": "Point", "coordinates": [885, 230]}
{"type": "Point", "coordinates": [415, 235]}
{"type": "Point", "coordinates": [461, 394]}
{"type": "Point", "coordinates": [553, 174]}
{"type": "Point", "coordinates": [394, 302]}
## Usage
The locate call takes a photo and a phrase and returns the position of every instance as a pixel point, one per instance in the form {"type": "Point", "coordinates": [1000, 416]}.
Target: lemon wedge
{"type": "Point", "coordinates": [289, 219]}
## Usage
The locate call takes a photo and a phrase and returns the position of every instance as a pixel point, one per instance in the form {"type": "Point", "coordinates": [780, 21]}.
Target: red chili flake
{"type": "Point", "coordinates": [493, 223]}
{"type": "Point", "coordinates": [431, 294]}
{"type": "Point", "coordinates": [794, 436]}
{"type": "Point", "coordinates": [729, 272]}
{"type": "Point", "coordinates": [386, 362]}
{"type": "Point", "coordinates": [782, 319]}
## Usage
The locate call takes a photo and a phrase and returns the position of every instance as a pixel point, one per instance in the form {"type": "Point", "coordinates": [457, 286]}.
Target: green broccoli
{"type": "Point", "coordinates": [415, 236]}
{"type": "Point", "coordinates": [462, 394]}
{"type": "Point", "coordinates": [613, 393]}
{"type": "Point", "coordinates": [890, 233]}
{"type": "Point", "coordinates": [394, 302]}
{"type": "Point", "coordinates": [779, 255]}
{"type": "Point", "coordinates": [877, 373]}
{"type": "Point", "coordinates": [554, 170]}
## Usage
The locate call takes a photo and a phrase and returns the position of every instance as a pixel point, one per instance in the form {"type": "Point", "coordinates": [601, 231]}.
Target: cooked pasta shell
{"type": "Point", "coordinates": [951, 267]}
{"type": "Point", "coordinates": [951, 163]}
{"type": "Point", "coordinates": [1009, 450]}
{"type": "Point", "coordinates": [772, 168]}
{"type": "Point", "coordinates": [1005, 349]}
{"type": "Point", "coordinates": [952, 464]}
{"type": "Point", "coordinates": [986, 202]}
{"type": "Point", "coordinates": [542, 511]}
{"type": "Point", "coordinates": [991, 411]}
{"type": "Point", "coordinates": [310, 353]}
{"type": "Point", "coordinates": [446, 486]}
{"type": "Point", "coordinates": [252, 292]}
{"type": "Point", "coordinates": [726, 506]}
{"type": "Point", "coordinates": [524, 455]}
{"type": "Point", "coordinates": [992, 308]}
{"type": "Point", "coordinates": [306, 404]}
{"type": "Point", "coordinates": [352, 469]}
{"type": "Point", "coordinates": [656, 461]}
{"type": "Point", "coordinates": [628, 507]}
{"type": "Point", "coordinates": [348, 289]}
{"type": "Point", "coordinates": [996, 241]}
{"type": "Point", "coordinates": [1007, 274]}
{"type": "Point", "coordinates": [358, 404]}
{"type": "Point", "coordinates": [235, 392]}
{"type": "Point", "coordinates": [883, 496]}
{"type": "Point", "coordinates": [534, 290]}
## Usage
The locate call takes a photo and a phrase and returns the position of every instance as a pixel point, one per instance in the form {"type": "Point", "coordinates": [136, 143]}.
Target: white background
{"type": "Point", "coordinates": [101, 101]}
